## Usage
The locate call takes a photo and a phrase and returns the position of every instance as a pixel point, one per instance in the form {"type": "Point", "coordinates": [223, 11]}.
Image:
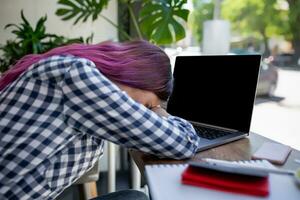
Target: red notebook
{"type": "Point", "coordinates": [258, 186]}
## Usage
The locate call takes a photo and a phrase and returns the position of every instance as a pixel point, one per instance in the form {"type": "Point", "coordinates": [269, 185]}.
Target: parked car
{"type": "Point", "coordinates": [282, 60]}
{"type": "Point", "coordinates": [268, 79]}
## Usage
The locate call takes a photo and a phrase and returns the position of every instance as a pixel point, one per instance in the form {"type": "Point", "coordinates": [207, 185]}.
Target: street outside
{"type": "Point", "coordinates": [278, 118]}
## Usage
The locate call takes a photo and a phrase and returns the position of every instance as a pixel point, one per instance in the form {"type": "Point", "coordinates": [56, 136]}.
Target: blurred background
{"type": "Point", "coordinates": [181, 27]}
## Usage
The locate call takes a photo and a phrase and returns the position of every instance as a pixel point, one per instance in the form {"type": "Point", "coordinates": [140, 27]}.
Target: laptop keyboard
{"type": "Point", "coordinates": [210, 133]}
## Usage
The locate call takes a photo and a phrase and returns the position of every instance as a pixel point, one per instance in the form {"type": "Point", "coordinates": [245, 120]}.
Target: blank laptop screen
{"type": "Point", "coordinates": [215, 90]}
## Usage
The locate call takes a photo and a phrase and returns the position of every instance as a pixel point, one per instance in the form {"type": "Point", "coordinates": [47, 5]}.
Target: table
{"type": "Point", "coordinates": [238, 150]}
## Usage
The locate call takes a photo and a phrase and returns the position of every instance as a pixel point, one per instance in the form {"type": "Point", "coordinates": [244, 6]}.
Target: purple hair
{"type": "Point", "coordinates": [137, 64]}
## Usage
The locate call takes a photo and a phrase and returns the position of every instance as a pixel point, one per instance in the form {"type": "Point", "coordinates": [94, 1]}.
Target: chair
{"type": "Point", "coordinates": [87, 183]}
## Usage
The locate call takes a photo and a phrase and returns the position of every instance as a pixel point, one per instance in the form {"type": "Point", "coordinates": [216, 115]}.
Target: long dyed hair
{"type": "Point", "coordinates": [137, 64]}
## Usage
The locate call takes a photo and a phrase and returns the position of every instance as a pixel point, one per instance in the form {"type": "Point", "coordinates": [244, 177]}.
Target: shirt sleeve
{"type": "Point", "coordinates": [96, 106]}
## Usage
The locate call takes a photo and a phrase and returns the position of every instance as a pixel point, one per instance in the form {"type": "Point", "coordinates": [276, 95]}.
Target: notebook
{"type": "Point", "coordinates": [224, 181]}
{"type": "Point", "coordinates": [258, 168]}
{"type": "Point", "coordinates": [164, 183]}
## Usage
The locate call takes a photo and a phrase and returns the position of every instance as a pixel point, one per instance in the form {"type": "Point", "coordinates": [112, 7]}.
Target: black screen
{"type": "Point", "coordinates": [215, 90]}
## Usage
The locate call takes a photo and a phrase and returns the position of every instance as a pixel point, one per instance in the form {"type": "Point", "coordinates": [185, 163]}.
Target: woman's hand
{"type": "Point", "coordinates": [160, 111]}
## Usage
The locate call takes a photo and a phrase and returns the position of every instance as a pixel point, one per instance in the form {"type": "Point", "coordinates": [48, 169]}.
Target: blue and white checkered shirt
{"type": "Point", "coordinates": [54, 118]}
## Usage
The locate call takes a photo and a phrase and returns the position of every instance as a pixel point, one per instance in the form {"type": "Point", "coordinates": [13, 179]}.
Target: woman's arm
{"type": "Point", "coordinates": [94, 105]}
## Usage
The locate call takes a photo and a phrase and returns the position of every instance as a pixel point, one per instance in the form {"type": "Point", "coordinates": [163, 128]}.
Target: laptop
{"type": "Point", "coordinates": [216, 94]}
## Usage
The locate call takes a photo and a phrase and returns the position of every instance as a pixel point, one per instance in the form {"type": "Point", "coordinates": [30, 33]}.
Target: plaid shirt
{"type": "Point", "coordinates": [55, 117]}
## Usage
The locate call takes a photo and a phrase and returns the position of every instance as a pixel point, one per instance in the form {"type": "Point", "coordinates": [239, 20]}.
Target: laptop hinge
{"type": "Point", "coordinates": [212, 126]}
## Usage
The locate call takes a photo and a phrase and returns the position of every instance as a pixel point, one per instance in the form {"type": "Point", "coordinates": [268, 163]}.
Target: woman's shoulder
{"type": "Point", "coordinates": [63, 61]}
{"type": "Point", "coordinates": [60, 64]}
{"type": "Point", "coordinates": [58, 67]}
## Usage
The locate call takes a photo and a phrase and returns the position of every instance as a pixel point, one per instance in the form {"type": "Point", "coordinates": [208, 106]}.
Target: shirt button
{"type": "Point", "coordinates": [189, 139]}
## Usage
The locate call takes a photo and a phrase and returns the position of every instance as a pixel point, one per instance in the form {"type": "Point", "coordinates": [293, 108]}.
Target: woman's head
{"type": "Point", "coordinates": [137, 64]}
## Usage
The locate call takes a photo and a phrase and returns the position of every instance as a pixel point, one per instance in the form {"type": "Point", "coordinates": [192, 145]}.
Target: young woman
{"type": "Point", "coordinates": [57, 108]}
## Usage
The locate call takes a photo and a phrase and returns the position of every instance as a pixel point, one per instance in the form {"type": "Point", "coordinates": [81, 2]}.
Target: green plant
{"type": "Point", "coordinates": [31, 40]}
{"type": "Point", "coordinates": [159, 21]}
{"type": "Point", "coordinates": [12, 51]}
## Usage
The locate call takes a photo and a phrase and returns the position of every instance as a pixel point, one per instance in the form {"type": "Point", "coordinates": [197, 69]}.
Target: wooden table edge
{"type": "Point", "coordinates": [241, 149]}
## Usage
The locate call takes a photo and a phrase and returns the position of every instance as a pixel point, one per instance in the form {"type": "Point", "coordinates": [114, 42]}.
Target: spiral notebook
{"type": "Point", "coordinates": [164, 183]}
{"type": "Point", "coordinates": [258, 168]}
